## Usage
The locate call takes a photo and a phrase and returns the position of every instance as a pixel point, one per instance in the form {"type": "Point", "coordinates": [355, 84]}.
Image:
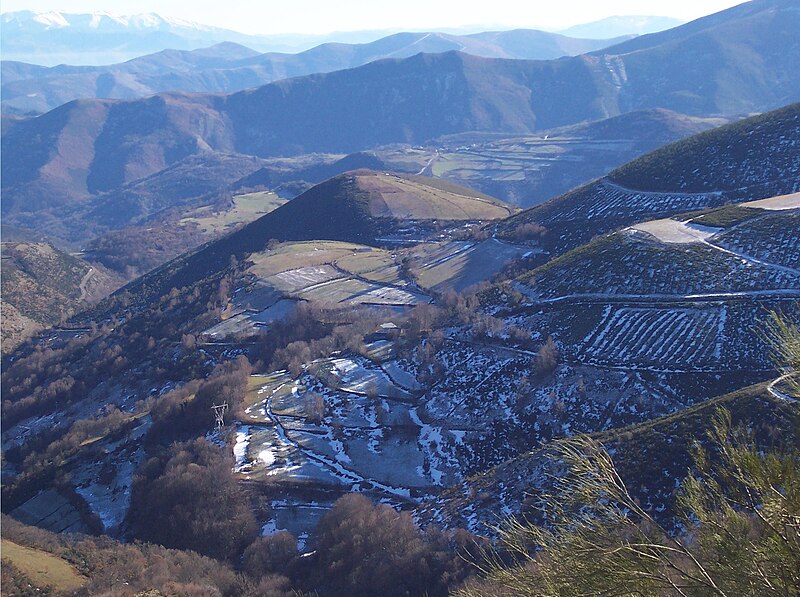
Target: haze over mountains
{"type": "Point", "coordinates": [621, 25]}
{"type": "Point", "coordinates": [653, 323]}
{"type": "Point", "coordinates": [101, 38]}
{"type": "Point", "coordinates": [412, 276]}
{"type": "Point", "coordinates": [50, 38]}
{"type": "Point", "coordinates": [228, 67]}
{"type": "Point", "coordinates": [753, 160]}
{"type": "Point", "coordinates": [748, 63]}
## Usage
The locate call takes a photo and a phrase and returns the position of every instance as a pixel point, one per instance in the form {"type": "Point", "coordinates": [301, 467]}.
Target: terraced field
{"type": "Point", "coordinates": [773, 238]}
{"type": "Point", "coordinates": [681, 294]}
{"type": "Point", "coordinates": [322, 272]}
{"type": "Point", "coordinates": [753, 159]}
{"type": "Point", "coordinates": [607, 200]}
{"type": "Point", "coordinates": [658, 337]}
{"type": "Point", "coordinates": [630, 263]}
{"type": "Point", "coordinates": [526, 170]}
{"type": "Point", "coordinates": [600, 207]}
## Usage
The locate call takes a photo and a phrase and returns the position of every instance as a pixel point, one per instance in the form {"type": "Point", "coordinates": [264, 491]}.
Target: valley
{"type": "Point", "coordinates": [434, 316]}
{"type": "Point", "coordinates": [428, 388]}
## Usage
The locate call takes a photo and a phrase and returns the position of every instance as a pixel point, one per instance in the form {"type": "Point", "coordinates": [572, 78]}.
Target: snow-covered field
{"type": "Point", "coordinates": [357, 377]}
{"type": "Point", "coordinates": [673, 231]}
{"type": "Point", "coordinates": [627, 264]}
{"type": "Point", "coordinates": [611, 201]}
{"type": "Point", "coordinates": [771, 239]}
{"type": "Point", "coordinates": [381, 431]}
{"type": "Point", "coordinates": [658, 337]}
{"type": "Point", "coordinates": [779, 203]}
{"type": "Point", "coordinates": [303, 278]}
{"type": "Point", "coordinates": [110, 498]}
{"type": "Point", "coordinates": [456, 265]}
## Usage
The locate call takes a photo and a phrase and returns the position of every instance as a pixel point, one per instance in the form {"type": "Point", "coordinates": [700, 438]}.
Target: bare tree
{"type": "Point", "coordinates": [546, 359]}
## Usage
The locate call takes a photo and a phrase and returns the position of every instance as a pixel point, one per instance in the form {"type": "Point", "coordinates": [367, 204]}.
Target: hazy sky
{"type": "Point", "coordinates": [324, 16]}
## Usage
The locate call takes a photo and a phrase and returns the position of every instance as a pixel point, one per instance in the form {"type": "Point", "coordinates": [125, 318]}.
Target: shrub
{"type": "Point", "coordinates": [314, 407]}
{"type": "Point", "coordinates": [529, 231]}
{"type": "Point", "coordinates": [740, 529]}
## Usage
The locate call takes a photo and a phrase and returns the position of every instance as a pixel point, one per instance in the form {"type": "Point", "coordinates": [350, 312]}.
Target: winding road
{"type": "Point", "coordinates": [84, 281]}
{"type": "Point", "coordinates": [777, 393]}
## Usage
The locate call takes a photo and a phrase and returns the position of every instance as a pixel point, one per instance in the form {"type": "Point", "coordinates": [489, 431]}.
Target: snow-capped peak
{"type": "Point", "coordinates": [51, 20]}
{"type": "Point", "coordinates": [97, 19]}
{"type": "Point", "coordinates": [100, 20]}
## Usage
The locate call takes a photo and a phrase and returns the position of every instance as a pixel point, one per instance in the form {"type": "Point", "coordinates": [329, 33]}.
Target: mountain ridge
{"type": "Point", "coordinates": [228, 67]}
{"type": "Point", "coordinates": [410, 101]}
{"type": "Point", "coordinates": [366, 373]}
{"type": "Point", "coordinates": [618, 199]}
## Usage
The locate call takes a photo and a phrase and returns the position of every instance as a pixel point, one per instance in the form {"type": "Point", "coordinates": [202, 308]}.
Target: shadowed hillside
{"type": "Point", "coordinates": [229, 67]}
{"type": "Point", "coordinates": [751, 159]}
{"type": "Point", "coordinates": [43, 286]}
{"type": "Point", "coordinates": [354, 207]}
{"type": "Point", "coordinates": [92, 146]}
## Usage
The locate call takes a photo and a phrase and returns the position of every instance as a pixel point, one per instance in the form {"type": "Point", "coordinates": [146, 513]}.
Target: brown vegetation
{"type": "Point", "coordinates": [370, 549]}
{"type": "Point", "coordinates": [187, 498]}
{"type": "Point", "coordinates": [546, 361]}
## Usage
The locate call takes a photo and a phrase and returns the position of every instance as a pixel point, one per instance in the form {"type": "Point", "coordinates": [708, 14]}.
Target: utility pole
{"type": "Point", "coordinates": [219, 414]}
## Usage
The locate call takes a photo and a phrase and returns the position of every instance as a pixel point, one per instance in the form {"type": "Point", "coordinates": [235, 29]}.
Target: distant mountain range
{"type": "Point", "coordinates": [738, 61]}
{"type": "Point", "coordinates": [144, 223]}
{"type": "Point", "coordinates": [51, 38]}
{"type": "Point", "coordinates": [621, 25]}
{"type": "Point", "coordinates": [229, 67]}
{"type": "Point", "coordinates": [101, 38]}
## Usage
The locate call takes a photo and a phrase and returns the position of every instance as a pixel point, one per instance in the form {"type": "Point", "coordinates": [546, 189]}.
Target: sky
{"type": "Point", "coordinates": [325, 16]}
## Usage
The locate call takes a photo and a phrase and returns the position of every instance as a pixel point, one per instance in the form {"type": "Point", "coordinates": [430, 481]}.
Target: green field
{"type": "Point", "coordinates": [333, 272]}
{"type": "Point", "coordinates": [246, 208]}
{"type": "Point", "coordinates": [356, 259]}
{"type": "Point", "coordinates": [723, 217]}
{"type": "Point", "coordinates": [409, 197]}
{"type": "Point", "coordinates": [259, 388]}
{"type": "Point", "coordinates": [43, 568]}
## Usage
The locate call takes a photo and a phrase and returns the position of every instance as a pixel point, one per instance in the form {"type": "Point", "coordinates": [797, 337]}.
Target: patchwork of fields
{"type": "Point", "coordinates": [245, 209]}
{"type": "Point", "coordinates": [321, 272]}
{"type": "Point", "coordinates": [368, 424]}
